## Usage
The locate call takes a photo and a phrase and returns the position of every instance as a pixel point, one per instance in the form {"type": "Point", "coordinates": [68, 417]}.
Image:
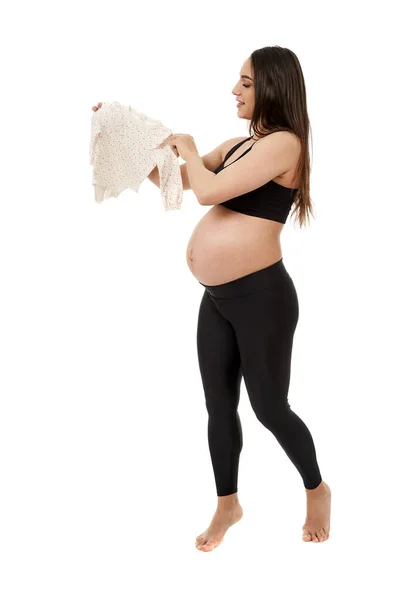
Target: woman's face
{"type": "Point", "coordinates": [244, 91]}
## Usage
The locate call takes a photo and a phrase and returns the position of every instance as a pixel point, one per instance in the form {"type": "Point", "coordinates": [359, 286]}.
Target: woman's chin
{"type": "Point", "coordinates": [241, 112]}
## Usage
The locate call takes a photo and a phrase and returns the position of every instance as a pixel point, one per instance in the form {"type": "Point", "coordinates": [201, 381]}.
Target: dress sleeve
{"type": "Point", "coordinates": [170, 178]}
{"type": "Point", "coordinates": [95, 132]}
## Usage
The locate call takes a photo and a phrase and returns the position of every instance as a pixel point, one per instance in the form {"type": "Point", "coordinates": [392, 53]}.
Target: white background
{"type": "Point", "coordinates": [105, 474]}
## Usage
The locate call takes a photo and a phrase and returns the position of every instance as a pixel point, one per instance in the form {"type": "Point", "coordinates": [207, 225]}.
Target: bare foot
{"type": "Point", "coordinates": [228, 513]}
{"type": "Point", "coordinates": [317, 525]}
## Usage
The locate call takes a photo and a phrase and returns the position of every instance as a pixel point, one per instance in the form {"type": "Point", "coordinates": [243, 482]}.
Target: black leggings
{"type": "Point", "coordinates": [246, 327]}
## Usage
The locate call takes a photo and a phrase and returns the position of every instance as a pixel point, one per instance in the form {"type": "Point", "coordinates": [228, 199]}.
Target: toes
{"type": "Point", "coordinates": [320, 535]}
{"type": "Point", "coordinates": [198, 543]}
{"type": "Point", "coordinates": [204, 546]}
{"type": "Point", "coordinates": [326, 533]}
{"type": "Point", "coordinates": [209, 546]}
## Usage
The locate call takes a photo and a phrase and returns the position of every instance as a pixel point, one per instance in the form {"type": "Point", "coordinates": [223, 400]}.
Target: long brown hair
{"type": "Point", "coordinates": [281, 105]}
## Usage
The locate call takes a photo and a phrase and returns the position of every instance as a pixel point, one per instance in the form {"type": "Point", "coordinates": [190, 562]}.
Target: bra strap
{"type": "Point", "coordinates": [232, 150]}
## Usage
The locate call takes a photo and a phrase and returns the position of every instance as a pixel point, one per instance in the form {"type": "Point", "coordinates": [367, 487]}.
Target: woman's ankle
{"type": "Point", "coordinates": [228, 500]}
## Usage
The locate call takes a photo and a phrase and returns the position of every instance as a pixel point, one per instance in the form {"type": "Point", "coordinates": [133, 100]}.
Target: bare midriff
{"type": "Point", "coordinates": [226, 245]}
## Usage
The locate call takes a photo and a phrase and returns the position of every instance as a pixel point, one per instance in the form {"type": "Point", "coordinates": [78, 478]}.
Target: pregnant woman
{"type": "Point", "coordinates": [249, 310]}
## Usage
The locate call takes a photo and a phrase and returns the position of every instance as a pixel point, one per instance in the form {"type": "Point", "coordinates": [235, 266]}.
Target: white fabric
{"type": "Point", "coordinates": [125, 146]}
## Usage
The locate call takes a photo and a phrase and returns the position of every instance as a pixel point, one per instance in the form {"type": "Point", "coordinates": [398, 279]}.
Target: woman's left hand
{"type": "Point", "coordinates": [183, 143]}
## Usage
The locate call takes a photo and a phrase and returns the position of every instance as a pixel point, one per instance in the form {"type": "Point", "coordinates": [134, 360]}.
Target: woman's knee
{"type": "Point", "coordinates": [272, 413]}
{"type": "Point", "coordinates": [220, 407]}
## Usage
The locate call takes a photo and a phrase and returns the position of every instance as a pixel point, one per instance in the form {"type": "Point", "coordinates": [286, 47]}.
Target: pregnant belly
{"type": "Point", "coordinates": [226, 245]}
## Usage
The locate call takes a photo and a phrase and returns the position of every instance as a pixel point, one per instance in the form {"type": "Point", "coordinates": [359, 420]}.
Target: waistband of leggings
{"type": "Point", "coordinates": [252, 282]}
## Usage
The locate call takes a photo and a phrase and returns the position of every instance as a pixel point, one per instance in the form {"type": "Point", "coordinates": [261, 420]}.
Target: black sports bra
{"type": "Point", "coordinates": [269, 201]}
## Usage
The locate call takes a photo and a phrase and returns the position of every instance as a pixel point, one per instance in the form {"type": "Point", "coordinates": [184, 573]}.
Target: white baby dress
{"type": "Point", "coordinates": [125, 146]}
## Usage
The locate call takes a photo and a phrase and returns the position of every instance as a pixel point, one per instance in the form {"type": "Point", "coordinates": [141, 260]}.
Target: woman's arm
{"type": "Point", "coordinates": [211, 161]}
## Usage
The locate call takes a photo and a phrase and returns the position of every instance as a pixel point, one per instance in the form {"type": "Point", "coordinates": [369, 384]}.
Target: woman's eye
{"type": "Point", "coordinates": [246, 85]}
